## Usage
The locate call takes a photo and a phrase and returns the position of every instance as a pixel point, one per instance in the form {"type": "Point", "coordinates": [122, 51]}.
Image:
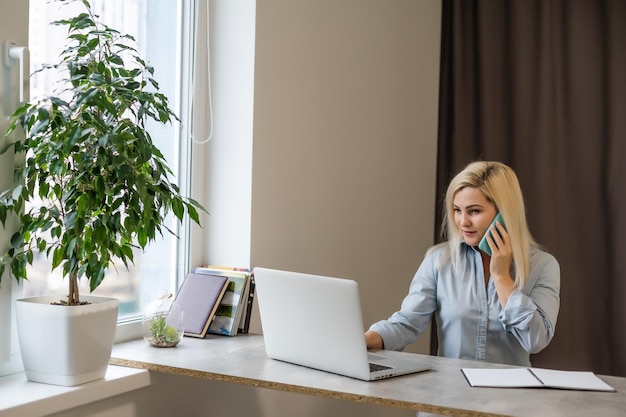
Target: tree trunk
{"type": "Point", "coordinates": [72, 297]}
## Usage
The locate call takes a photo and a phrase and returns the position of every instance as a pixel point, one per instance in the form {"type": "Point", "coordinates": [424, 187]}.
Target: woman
{"type": "Point", "coordinates": [498, 308]}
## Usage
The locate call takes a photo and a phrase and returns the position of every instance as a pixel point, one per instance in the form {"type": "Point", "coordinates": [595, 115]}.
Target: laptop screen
{"type": "Point", "coordinates": [312, 320]}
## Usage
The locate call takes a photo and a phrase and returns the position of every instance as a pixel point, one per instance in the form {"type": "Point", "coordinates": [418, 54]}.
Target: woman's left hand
{"type": "Point", "coordinates": [500, 262]}
{"type": "Point", "coordinates": [501, 251]}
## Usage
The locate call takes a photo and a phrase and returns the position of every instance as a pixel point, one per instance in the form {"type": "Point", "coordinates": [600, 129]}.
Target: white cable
{"type": "Point", "coordinates": [193, 107]}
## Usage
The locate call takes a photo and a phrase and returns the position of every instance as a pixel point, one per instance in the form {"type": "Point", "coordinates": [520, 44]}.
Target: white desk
{"type": "Point", "coordinates": [443, 390]}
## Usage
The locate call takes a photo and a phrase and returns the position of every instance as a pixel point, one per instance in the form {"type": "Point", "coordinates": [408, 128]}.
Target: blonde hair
{"type": "Point", "coordinates": [499, 184]}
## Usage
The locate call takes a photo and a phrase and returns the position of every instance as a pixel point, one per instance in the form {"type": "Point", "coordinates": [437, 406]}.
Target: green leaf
{"type": "Point", "coordinates": [39, 126]}
{"type": "Point", "coordinates": [56, 167]}
{"type": "Point", "coordinates": [69, 220]}
{"type": "Point", "coordinates": [17, 240]}
{"type": "Point", "coordinates": [56, 231]}
{"type": "Point", "coordinates": [78, 36]}
{"type": "Point", "coordinates": [193, 214]}
{"type": "Point", "coordinates": [18, 267]}
{"type": "Point", "coordinates": [87, 97]}
{"type": "Point", "coordinates": [100, 187]}
{"type": "Point", "coordinates": [96, 280]}
{"type": "Point", "coordinates": [177, 207]}
{"type": "Point", "coordinates": [57, 257]}
{"type": "Point", "coordinates": [127, 251]}
{"type": "Point", "coordinates": [195, 203]}
{"type": "Point", "coordinates": [116, 59]}
{"type": "Point", "coordinates": [83, 203]}
{"type": "Point", "coordinates": [69, 252]}
{"type": "Point", "coordinates": [44, 189]}
{"type": "Point", "coordinates": [100, 234]}
{"type": "Point", "coordinates": [142, 238]}
{"type": "Point", "coordinates": [93, 260]}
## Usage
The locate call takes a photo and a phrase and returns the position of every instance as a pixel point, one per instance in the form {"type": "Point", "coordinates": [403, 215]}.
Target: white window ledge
{"type": "Point", "coordinates": [25, 398]}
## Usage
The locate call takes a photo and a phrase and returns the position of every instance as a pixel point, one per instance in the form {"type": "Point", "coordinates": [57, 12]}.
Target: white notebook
{"type": "Point", "coordinates": [534, 378]}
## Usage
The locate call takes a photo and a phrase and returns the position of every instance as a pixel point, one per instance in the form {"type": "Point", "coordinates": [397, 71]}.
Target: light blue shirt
{"type": "Point", "coordinates": [471, 323]}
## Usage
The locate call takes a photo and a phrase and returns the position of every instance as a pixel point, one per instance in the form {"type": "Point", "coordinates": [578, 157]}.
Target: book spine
{"type": "Point", "coordinates": [245, 327]}
{"type": "Point", "coordinates": [214, 310]}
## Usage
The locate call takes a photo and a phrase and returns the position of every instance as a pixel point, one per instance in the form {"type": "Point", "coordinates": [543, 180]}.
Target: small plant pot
{"type": "Point", "coordinates": [162, 323]}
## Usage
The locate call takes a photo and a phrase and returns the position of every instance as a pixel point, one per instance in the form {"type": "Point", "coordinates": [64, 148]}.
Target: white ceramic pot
{"type": "Point", "coordinates": [66, 345]}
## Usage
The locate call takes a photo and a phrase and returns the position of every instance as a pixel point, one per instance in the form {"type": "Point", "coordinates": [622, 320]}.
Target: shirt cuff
{"type": "Point", "coordinates": [518, 311]}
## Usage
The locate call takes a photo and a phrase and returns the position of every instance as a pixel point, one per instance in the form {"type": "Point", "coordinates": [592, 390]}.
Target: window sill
{"type": "Point", "coordinates": [22, 397]}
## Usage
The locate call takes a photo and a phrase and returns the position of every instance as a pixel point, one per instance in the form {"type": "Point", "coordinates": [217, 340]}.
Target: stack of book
{"type": "Point", "coordinates": [232, 316]}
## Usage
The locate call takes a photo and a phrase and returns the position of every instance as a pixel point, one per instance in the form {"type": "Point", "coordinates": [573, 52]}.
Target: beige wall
{"type": "Point", "coordinates": [345, 126]}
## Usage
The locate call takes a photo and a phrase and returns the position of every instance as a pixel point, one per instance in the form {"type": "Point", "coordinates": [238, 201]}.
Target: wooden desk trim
{"type": "Point", "coordinates": [300, 389]}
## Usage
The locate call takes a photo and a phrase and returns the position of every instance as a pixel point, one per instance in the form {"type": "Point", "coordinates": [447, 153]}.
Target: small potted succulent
{"type": "Point", "coordinates": [163, 323]}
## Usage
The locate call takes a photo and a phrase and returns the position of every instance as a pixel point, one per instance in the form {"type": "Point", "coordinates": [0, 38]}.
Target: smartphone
{"type": "Point", "coordinates": [483, 245]}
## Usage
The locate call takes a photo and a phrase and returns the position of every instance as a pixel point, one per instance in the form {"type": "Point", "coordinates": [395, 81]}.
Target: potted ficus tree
{"type": "Point", "coordinates": [96, 187]}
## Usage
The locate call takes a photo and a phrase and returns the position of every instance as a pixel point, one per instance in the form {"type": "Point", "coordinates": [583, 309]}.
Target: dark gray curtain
{"type": "Point", "coordinates": [541, 85]}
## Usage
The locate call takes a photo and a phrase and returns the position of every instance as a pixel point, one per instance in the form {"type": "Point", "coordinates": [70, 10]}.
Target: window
{"type": "Point", "coordinates": [158, 28]}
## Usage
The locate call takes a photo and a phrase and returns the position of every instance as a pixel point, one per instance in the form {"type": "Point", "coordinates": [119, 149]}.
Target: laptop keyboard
{"type": "Point", "coordinates": [376, 367]}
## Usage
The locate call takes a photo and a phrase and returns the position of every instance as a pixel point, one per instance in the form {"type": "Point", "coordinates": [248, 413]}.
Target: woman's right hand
{"type": "Point", "coordinates": [373, 340]}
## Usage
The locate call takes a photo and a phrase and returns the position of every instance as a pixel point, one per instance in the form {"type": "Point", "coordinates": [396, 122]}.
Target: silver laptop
{"type": "Point", "coordinates": [316, 321]}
